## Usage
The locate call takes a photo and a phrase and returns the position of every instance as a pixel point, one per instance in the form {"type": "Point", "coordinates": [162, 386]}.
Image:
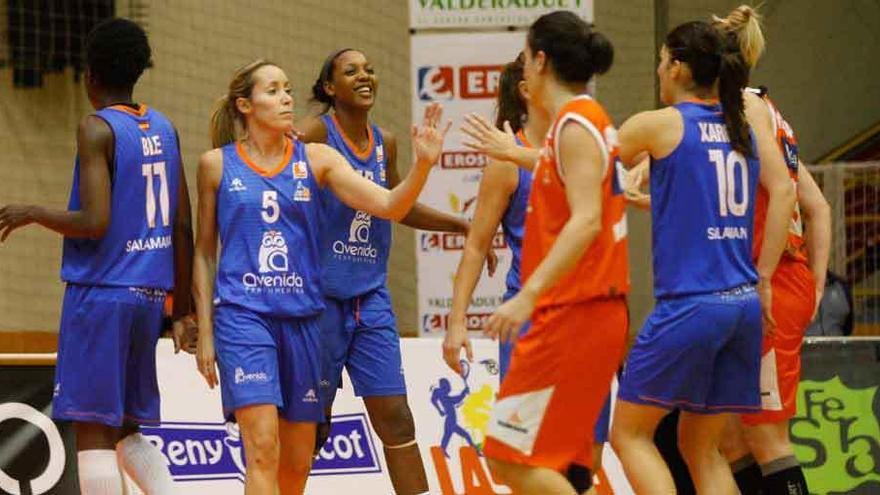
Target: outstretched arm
{"type": "Point", "coordinates": [498, 182]}
{"type": "Point", "coordinates": [95, 142]}
{"type": "Point", "coordinates": [498, 144]}
{"type": "Point", "coordinates": [420, 216]}
{"type": "Point", "coordinates": [363, 194]}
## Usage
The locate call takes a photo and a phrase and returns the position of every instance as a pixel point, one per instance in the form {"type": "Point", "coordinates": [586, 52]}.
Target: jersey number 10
{"type": "Point", "coordinates": [726, 173]}
{"type": "Point", "coordinates": [149, 170]}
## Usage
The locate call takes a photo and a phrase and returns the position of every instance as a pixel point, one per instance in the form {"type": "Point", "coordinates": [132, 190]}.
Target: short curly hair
{"type": "Point", "coordinates": [117, 53]}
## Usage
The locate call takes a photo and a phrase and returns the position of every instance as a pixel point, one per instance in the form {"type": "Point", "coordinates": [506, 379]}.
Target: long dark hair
{"type": "Point", "coordinates": [711, 57]}
{"type": "Point", "coordinates": [574, 49]}
{"type": "Point", "coordinates": [511, 104]}
{"type": "Point", "coordinates": [319, 94]}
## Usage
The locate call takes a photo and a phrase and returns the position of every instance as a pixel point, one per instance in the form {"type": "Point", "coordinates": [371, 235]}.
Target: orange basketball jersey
{"type": "Point", "coordinates": [795, 250]}
{"type": "Point", "coordinates": [602, 270]}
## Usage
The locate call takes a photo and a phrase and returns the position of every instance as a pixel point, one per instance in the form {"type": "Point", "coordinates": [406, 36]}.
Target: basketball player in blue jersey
{"type": "Point", "coordinates": [127, 241]}
{"type": "Point", "coordinates": [504, 192]}
{"type": "Point", "coordinates": [699, 351]}
{"type": "Point", "coordinates": [358, 327]}
{"type": "Point", "coordinates": [259, 193]}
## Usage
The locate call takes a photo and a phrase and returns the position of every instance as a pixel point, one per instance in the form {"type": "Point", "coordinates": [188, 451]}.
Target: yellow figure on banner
{"type": "Point", "coordinates": [475, 408]}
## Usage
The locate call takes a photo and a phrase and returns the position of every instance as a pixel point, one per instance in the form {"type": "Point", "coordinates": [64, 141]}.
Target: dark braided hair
{"type": "Point", "coordinates": [117, 53]}
{"type": "Point", "coordinates": [710, 57]}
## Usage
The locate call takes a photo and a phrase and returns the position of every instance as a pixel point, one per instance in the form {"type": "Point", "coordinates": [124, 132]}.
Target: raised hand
{"type": "Point", "coordinates": [487, 139]}
{"type": "Point", "coordinates": [427, 138]}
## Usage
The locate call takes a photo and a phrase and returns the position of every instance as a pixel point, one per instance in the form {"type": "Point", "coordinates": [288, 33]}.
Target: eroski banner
{"type": "Point", "coordinates": [447, 69]}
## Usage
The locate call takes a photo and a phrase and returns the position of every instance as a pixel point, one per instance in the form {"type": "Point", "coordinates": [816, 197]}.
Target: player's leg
{"type": "Point", "coordinates": [336, 324]}
{"type": "Point", "coordinates": [250, 381]}
{"type": "Point", "coordinates": [698, 438]}
{"type": "Point", "coordinates": [299, 344]}
{"type": "Point", "coordinates": [376, 371]}
{"type": "Point", "coordinates": [137, 456]}
{"type": "Point", "coordinates": [767, 432]}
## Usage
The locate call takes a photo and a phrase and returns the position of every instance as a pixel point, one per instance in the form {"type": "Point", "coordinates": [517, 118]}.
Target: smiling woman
{"type": "Point", "coordinates": [358, 328]}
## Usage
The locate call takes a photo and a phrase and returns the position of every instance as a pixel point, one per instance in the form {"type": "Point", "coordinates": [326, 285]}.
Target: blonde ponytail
{"type": "Point", "coordinates": [744, 24]}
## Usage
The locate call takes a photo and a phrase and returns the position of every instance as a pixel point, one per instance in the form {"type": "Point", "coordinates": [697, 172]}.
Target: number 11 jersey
{"type": "Point", "coordinates": [135, 251]}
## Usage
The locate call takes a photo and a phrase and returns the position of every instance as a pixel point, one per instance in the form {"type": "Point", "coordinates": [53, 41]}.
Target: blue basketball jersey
{"type": "Point", "coordinates": [702, 208]}
{"type": "Point", "coordinates": [355, 245]}
{"type": "Point", "coordinates": [269, 228]}
{"type": "Point", "coordinates": [513, 224]}
{"type": "Point", "coordinates": [136, 249]}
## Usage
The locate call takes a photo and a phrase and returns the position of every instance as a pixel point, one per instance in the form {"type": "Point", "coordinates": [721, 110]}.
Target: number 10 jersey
{"type": "Point", "coordinates": [702, 209]}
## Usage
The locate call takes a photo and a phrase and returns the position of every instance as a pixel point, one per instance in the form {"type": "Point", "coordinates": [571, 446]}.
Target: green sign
{"type": "Point", "coordinates": [836, 435]}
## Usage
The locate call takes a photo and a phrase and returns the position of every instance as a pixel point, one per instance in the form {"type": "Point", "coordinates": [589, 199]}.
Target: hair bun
{"type": "Point", "coordinates": [601, 52]}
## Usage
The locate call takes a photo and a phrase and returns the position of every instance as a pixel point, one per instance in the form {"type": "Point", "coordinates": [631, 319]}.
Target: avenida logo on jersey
{"type": "Point", "coordinates": [274, 275]}
{"type": "Point", "coordinates": [358, 245]}
{"type": "Point", "coordinates": [208, 452]}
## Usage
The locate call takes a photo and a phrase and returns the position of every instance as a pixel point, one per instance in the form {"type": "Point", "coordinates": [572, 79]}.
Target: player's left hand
{"type": "Point", "coordinates": [428, 137]}
{"type": "Point", "coordinates": [13, 217]}
{"type": "Point", "coordinates": [185, 333]}
{"type": "Point", "coordinates": [488, 139]}
{"type": "Point", "coordinates": [510, 317]}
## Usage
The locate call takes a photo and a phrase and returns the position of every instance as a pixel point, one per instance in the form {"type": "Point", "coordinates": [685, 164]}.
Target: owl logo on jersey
{"type": "Point", "coordinates": [273, 252]}
{"type": "Point", "coordinates": [360, 227]}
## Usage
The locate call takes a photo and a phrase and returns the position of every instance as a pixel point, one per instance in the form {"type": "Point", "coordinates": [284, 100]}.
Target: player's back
{"type": "Point", "coordinates": [602, 271]}
{"type": "Point", "coordinates": [702, 208]}
{"type": "Point", "coordinates": [136, 250]}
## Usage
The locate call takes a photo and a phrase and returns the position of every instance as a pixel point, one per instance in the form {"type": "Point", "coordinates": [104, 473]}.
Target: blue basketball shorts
{"type": "Point", "coordinates": [699, 353]}
{"type": "Point", "coordinates": [106, 367]}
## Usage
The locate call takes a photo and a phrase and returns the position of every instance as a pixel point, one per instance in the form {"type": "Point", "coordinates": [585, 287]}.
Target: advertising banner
{"type": "Point", "coordinates": [451, 414]}
{"type": "Point", "coordinates": [836, 433]}
{"type": "Point", "coordinates": [447, 69]}
{"type": "Point", "coordinates": [35, 453]}
{"type": "Point", "coordinates": [457, 14]}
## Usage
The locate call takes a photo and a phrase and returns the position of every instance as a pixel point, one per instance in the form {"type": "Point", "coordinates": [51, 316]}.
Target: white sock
{"type": "Point", "coordinates": [98, 473]}
{"type": "Point", "coordinates": [145, 464]}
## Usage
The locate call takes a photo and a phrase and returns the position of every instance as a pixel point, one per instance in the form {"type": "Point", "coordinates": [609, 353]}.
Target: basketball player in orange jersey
{"type": "Point", "coordinates": [798, 283]}
{"type": "Point", "coordinates": [503, 196]}
{"type": "Point", "coordinates": [574, 270]}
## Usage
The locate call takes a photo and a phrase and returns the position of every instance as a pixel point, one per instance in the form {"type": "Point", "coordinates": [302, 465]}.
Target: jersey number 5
{"type": "Point", "coordinates": [149, 170]}
{"type": "Point", "coordinates": [726, 169]}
